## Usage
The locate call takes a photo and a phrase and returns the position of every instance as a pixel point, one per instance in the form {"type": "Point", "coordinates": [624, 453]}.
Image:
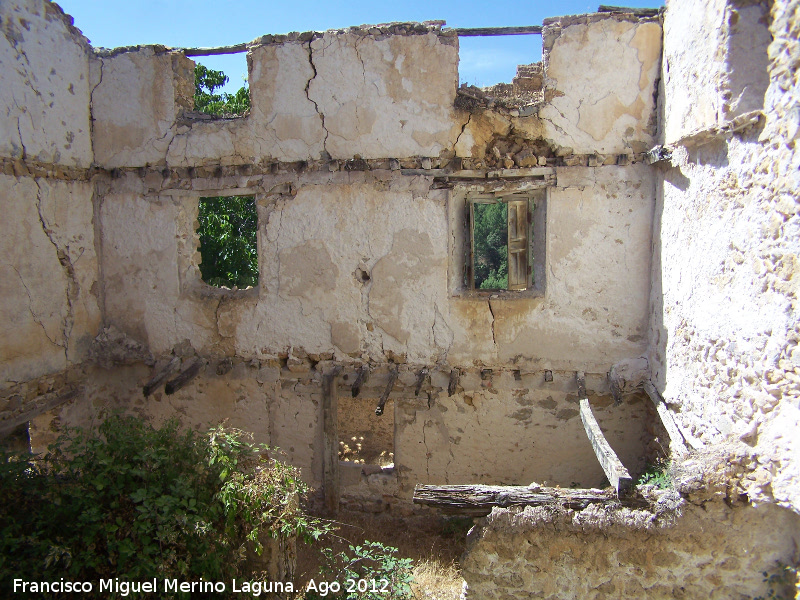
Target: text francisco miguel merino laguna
{"type": "Point", "coordinates": [123, 588]}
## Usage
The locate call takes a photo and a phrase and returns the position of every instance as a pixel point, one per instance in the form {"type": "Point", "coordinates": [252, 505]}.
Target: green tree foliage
{"type": "Point", "coordinates": [490, 234]}
{"type": "Point", "coordinates": [135, 502]}
{"type": "Point", "coordinates": [206, 82]}
{"type": "Point", "coordinates": [228, 247]}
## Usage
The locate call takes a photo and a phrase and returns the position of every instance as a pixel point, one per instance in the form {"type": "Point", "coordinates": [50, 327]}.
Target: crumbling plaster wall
{"type": "Point", "coordinates": [725, 314]}
{"type": "Point", "coordinates": [49, 271]}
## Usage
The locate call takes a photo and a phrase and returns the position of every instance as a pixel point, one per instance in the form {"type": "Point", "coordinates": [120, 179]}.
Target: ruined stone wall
{"type": "Point", "coordinates": [710, 551]}
{"type": "Point", "coordinates": [49, 272]}
{"type": "Point", "coordinates": [361, 164]}
{"type": "Point", "coordinates": [725, 314]}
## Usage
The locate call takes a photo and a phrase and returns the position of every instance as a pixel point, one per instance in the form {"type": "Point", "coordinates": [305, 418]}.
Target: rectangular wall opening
{"type": "Point", "coordinates": [364, 437]}
{"type": "Point", "coordinates": [227, 227]}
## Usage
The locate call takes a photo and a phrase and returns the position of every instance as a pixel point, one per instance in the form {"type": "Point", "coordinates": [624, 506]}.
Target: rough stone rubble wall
{"type": "Point", "coordinates": [49, 271]}
{"type": "Point", "coordinates": [726, 321]}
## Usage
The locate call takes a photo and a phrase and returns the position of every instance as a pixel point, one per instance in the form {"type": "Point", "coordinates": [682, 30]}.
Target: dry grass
{"type": "Point", "coordinates": [432, 542]}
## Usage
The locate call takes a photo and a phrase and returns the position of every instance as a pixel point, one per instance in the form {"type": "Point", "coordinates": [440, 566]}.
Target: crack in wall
{"type": "Point", "coordinates": [72, 288]}
{"type": "Point", "coordinates": [427, 452]}
{"type": "Point", "coordinates": [316, 106]}
{"type": "Point", "coordinates": [463, 128]}
{"type": "Point", "coordinates": [494, 339]}
{"type": "Point", "coordinates": [36, 318]}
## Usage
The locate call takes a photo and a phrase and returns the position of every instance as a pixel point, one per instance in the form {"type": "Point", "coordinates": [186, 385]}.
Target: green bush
{"type": "Point", "coordinates": [206, 83]}
{"type": "Point", "coordinates": [137, 502]}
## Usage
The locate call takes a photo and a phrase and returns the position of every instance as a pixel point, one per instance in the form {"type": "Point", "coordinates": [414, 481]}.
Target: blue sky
{"type": "Point", "coordinates": [483, 61]}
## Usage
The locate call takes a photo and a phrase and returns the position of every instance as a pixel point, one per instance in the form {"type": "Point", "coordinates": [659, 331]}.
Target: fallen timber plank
{"type": "Point", "coordinates": [41, 405]}
{"type": "Point", "coordinates": [615, 471]}
{"type": "Point", "coordinates": [478, 500]}
{"type": "Point", "coordinates": [330, 441]}
{"type": "Point", "coordinates": [677, 445]}
{"type": "Point", "coordinates": [160, 376]}
{"type": "Point", "coordinates": [189, 373]}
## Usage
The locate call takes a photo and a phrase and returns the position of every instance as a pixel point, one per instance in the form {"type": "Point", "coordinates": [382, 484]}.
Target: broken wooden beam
{"type": "Point", "coordinates": [361, 379]}
{"type": "Point", "coordinates": [185, 376]}
{"type": "Point", "coordinates": [330, 440]}
{"type": "Point", "coordinates": [160, 376]}
{"type": "Point", "coordinates": [478, 500]}
{"type": "Point", "coordinates": [41, 404]}
{"type": "Point", "coordinates": [455, 376]}
{"type": "Point", "coordinates": [488, 31]}
{"type": "Point", "coordinates": [639, 12]}
{"type": "Point", "coordinates": [386, 392]}
{"type": "Point", "coordinates": [615, 471]}
{"type": "Point", "coordinates": [421, 376]}
{"type": "Point", "coordinates": [677, 445]}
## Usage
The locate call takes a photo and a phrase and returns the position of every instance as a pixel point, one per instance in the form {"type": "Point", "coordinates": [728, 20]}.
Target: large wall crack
{"type": "Point", "coordinates": [36, 318]}
{"type": "Point", "coordinates": [491, 310]}
{"type": "Point", "coordinates": [316, 106]}
{"type": "Point", "coordinates": [72, 287]}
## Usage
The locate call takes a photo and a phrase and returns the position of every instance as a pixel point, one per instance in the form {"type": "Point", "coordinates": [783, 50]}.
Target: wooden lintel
{"type": "Point", "coordinates": [185, 376]}
{"type": "Point", "coordinates": [386, 392]}
{"type": "Point", "coordinates": [639, 12]}
{"type": "Point", "coordinates": [161, 375]}
{"type": "Point", "coordinates": [40, 405]}
{"type": "Point", "coordinates": [421, 376]}
{"type": "Point", "coordinates": [361, 379]}
{"type": "Point", "coordinates": [478, 500]}
{"type": "Point", "coordinates": [330, 440]}
{"type": "Point", "coordinates": [615, 471]}
{"type": "Point", "coordinates": [487, 31]}
{"type": "Point", "coordinates": [455, 376]}
{"type": "Point", "coordinates": [235, 49]}
{"type": "Point", "coordinates": [677, 445]}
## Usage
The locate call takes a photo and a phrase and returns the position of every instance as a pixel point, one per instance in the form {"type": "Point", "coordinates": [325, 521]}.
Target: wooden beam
{"type": "Point", "coordinates": [41, 405]}
{"type": "Point", "coordinates": [361, 379]}
{"type": "Point", "coordinates": [639, 12]}
{"type": "Point", "coordinates": [487, 31]}
{"type": "Point", "coordinates": [235, 49]}
{"type": "Point", "coordinates": [455, 376]}
{"type": "Point", "coordinates": [330, 441]}
{"type": "Point", "coordinates": [423, 374]}
{"type": "Point", "coordinates": [615, 471]}
{"type": "Point", "coordinates": [185, 376]}
{"type": "Point", "coordinates": [386, 392]}
{"type": "Point", "coordinates": [677, 445]}
{"type": "Point", "coordinates": [161, 375]}
{"type": "Point", "coordinates": [478, 500]}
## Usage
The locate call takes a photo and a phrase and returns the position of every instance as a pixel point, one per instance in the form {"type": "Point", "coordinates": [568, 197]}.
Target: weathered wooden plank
{"type": "Point", "coordinates": [488, 31]}
{"type": "Point", "coordinates": [521, 172]}
{"type": "Point", "coordinates": [235, 49]}
{"type": "Point", "coordinates": [615, 471]}
{"type": "Point", "coordinates": [478, 500]}
{"type": "Point", "coordinates": [361, 379]}
{"type": "Point", "coordinates": [386, 392]}
{"type": "Point", "coordinates": [677, 445]}
{"type": "Point", "coordinates": [40, 405]}
{"type": "Point", "coordinates": [455, 376]}
{"type": "Point", "coordinates": [185, 376]}
{"type": "Point", "coordinates": [639, 12]}
{"type": "Point", "coordinates": [161, 375]}
{"type": "Point", "coordinates": [330, 441]}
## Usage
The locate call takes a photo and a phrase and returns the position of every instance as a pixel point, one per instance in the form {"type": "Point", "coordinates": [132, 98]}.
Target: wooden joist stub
{"type": "Point", "coordinates": [478, 500]}
{"type": "Point", "coordinates": [185, 376]}
{"type": "Point", "coordinates": [421, 376]}
{"type": "Point", "coordinates": [386, 392]}
{"type": "Point", "coordinates": [615, 471]}
{"type": "Point", "coordinates": [455, 376]}
{"type": "Point", "coordinates": [677, 444]}
{"type": "Point", "coordinates": [161, 375]}
{"type": "Point", "coordinates": [330, 440]}
{"type": "Point", "coordinates": [361, 379]}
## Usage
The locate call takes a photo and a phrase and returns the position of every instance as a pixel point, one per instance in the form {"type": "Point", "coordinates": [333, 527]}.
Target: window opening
{"type": "Point", "coordinates": [500, 234]}
{"type": "Point", "coordinates": [227, 228]}
{"type": "Point", "coordinates": [364, 437]}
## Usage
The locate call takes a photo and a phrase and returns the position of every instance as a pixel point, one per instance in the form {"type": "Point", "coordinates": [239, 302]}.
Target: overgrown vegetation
{"type": "Point", "coordinates": [206, 100]}
{"type": "Point", "coordinates": [136, 502]}
{"type": "Point", "coordinates": [657, 474]}
{"type": "Point", "coordinates": [228, 246]}
{"type": "Point", "coordinates": [782, 582]}
{"type": "Point", "coordinates": [490, 235]}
